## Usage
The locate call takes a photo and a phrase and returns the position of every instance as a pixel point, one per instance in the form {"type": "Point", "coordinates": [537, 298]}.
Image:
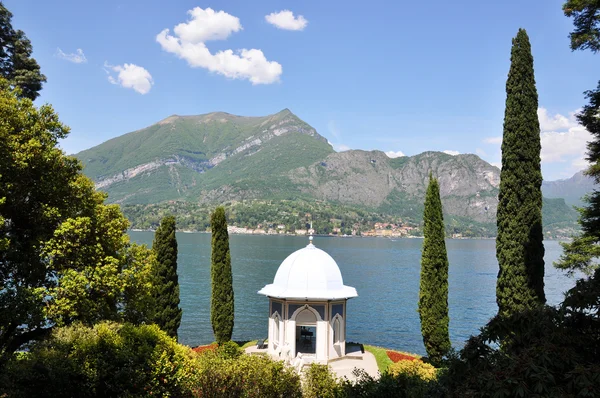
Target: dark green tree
{"type": "Point", "coordinates": [433, 292]}
{"type": "Point", "coordinates": [586, 17]}
{"type": "Point", "coordinates": [221, 305]}
{"type": "Point", "coordinates": [519, 246]}
{"type": "Point", "coordinates": [582, 253]}
{"type": "Point", "coordinates": [167, 314]}
{"type": "Point", "coordinates": [16, 64]}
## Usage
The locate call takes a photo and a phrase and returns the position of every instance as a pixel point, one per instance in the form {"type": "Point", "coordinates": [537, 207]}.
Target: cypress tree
{"type": "Point", "coordinates": [221, 309]}
{"type": "Point", "coordinates": [433, 292]}
{"type": "Point", "coordinates": [519, 246]}
{"type": "Point", "coordinates": [167, 314]}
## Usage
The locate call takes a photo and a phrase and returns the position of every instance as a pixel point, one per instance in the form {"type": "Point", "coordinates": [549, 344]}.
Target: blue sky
{"type": "Point", "coordinates": [394, 76]}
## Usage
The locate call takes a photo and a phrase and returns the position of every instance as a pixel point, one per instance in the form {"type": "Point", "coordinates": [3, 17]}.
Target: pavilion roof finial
{"type": "Point", "coordinates": [310, 240]}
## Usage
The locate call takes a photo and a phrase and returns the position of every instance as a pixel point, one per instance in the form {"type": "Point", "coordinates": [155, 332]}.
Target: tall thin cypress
{"type": "Point", "coordinates": [519, 246]}
{"type": "Point", "coordinates": [221, 310]}
{"type": "Point", "coordinates": [167, 314]}
{"type": "Point", "coordinates": [433, 292]}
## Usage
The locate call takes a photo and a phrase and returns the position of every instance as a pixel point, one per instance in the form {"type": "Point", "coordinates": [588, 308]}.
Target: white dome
{"type": "Point", "coordinates": [309, 273]}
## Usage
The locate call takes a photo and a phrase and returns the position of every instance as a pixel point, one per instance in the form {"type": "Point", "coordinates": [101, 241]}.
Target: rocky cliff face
{"type": "Point", "coordinates": [468, 185]}
{"type": "Point", "coordinates": [571, 189]}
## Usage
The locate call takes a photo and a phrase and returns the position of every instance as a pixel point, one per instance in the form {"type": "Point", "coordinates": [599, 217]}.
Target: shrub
{"type": "Point", "coordinates": [543, 353]}
{"type": "Point", "coordinates": [245, 376]}
{"type": "Point", "coordinates": [319, 382]}
{"type": "Point", "coordinates": [389, 385]}
{"type": "Point", "coordinates": [107, 360]}
{"type": "Point", "coordinates": [229, 350]}
{"type": "Point", "coordinates": [414, 368]}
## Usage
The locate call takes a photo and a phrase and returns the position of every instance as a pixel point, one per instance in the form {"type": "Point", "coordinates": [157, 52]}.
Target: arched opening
{"type": "Point", "coordinates": [336, 331]}
{"type": "Point", "coordinates": [276, 331]}
{"type": "Point", "coordinates": [306, 331]}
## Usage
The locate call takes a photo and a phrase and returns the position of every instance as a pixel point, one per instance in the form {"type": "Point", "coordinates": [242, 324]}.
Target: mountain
{"type": "Point", "coordinates": [219, 157]}
{"type": "Point", "coordinates": [571, 189]}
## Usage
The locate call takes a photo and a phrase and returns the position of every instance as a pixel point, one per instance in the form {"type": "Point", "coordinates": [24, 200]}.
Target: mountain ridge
{"type": "Point", "coordinates": [219, 157]}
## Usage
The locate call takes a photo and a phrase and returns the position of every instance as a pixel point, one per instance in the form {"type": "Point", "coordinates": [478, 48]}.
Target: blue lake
{"type": "Point", "coordinates": [385, 273]}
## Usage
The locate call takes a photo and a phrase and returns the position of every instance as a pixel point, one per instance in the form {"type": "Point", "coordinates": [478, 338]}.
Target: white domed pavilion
{"type": "Point", "coordinates": [307, 307]}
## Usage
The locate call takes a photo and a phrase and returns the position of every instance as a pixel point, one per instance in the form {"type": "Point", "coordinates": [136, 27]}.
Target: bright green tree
{"type": "Point", "coordinates": [16, 64]}
{"type": "Point", "coordinates": [64, 254]}
{"type": "Point", "coordinates": [221, 310]}
{"type": "Point", "coordinates": [167, 313]}
{"type": "Point", "coordinates": [519, 246]}
{"type": "Point", "coordinates": [433, 292]}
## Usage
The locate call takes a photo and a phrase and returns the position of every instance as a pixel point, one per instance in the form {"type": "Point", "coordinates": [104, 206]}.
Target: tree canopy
{"type": "Point", "coordinates": [519, 243]}
{"type": "Point", "coordinates": [586, 17]}
{"type": "Point", "coordinates": [16, 64]}
{"type": "Point", "coordinates": [222, 305]}
{"type": "Point", "coordinates": [64, 254]}
{"type": "Point", "coordinates": [433, 292]}
{"type": "Point", "coordinates": [167, 314]}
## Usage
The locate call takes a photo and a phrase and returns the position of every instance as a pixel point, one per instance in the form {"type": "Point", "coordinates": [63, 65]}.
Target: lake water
{"type": "Point", "coordinates": [385, 273]}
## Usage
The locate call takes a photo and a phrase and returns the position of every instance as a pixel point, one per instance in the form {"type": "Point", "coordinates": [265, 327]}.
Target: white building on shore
{"type": "Point", "coordinates": [307, 307]}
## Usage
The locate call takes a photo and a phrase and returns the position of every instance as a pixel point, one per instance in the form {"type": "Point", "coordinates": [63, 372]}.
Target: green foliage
{"type": "Point", "coordinates": [519, 246]}
{"type": "Point", "coordinates": [545, 353]}
{"type": "Point", "coordinates": [64, 254]}
{"type": "Point", "coordinates": [221, 305]}
{"type": "Point", "coordinates": [582, 253]}
{"type": "Point", "coordinates": [319, 382]}
{"type": "Point", "coordinates": [16, 64]}
{"type": "Point", "coordinates": [97, 272]}
{"type": "Point", "coordinates": [229, 350]}
{"type": "Point", "coordinates": [414, 368]}
{"type": "Point", "coordinates": [586, 15]}
{"type": "Point", "coordinates": [167, 314]}
{"type": "Point", "coordinates": [433, 292]}
{"type": "Point", "coordinates": [108, 360]}
{"type": "Point", "coordinates": [246, 376]}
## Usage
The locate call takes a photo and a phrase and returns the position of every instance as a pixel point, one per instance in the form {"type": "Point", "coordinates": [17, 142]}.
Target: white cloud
{"type": "Point", "coordinates": [130, 76]}
{"type": "Point", "coordinates": [188, 43]}
{"type": "Point", "coordinates": [560, 146]}
{"type": "Point", "coordinates": [493, 140]}
{"type": "Point", "coordinates": [77, 57]}
{"type": "Point", "coordinates": [563, 138]}
{"type": "Point", "coordinates": [285, 20]}
{"type": "Point", "coordinates": [392, 154]}
{"type": "Point", "coordinates": [449, 152]}
{"type": "Point", "coordinates": [556, 122]}
{"type": "Point", "coordinates": [497, 164]}
{"type": "Point", "coordinates": [480, 152]}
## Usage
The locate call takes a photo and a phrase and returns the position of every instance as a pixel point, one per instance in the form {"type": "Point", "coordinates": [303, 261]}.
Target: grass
{"type": "Point", "coordinates": [382, 358]}
{"type": "Point", "coordinates": [383, 361]}
{"type": "Point", "coordinates": [245, 344]}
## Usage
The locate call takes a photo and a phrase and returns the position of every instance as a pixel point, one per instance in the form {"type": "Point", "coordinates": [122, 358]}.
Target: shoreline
{"type": "Point", "coordinates": [392, 238]}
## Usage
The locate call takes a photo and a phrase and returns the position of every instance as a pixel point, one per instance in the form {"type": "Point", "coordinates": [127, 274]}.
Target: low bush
{"type": "Point", "coordinates": [319, 382]}
{"type": "Point", "coordinates": [245, 376]}
{"type": "Point", "coordinates": [107, 360]}
{"type": "Point", "coordinates": [229, 350]}
{"type": "Point", "coordinates": [414, 368]}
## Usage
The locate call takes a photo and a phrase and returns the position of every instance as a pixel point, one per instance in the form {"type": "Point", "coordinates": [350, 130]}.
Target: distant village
{"type": "Point", "coordinates": [386, 230]}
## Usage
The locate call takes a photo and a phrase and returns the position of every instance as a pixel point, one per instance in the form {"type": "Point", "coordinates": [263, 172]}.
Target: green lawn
{"type": "Point", "coordinates": [246, 344]}
{"type": "Point", "coordinates": [381, 356]}
{"type": "Point", "coordinates": [383, 361]}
